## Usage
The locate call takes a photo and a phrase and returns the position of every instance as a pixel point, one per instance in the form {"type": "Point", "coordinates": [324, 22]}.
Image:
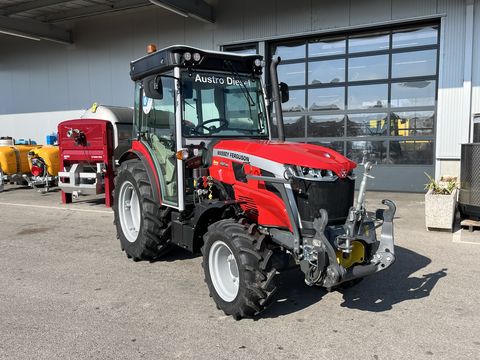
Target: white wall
{"type": "Point", "coordinates": [35, 126]}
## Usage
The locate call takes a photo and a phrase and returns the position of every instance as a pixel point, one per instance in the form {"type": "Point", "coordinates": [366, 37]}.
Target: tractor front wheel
{"type": "Point", "coordinates": [143, 226]}
{"type": "Point", "coordinates": [237, 266]}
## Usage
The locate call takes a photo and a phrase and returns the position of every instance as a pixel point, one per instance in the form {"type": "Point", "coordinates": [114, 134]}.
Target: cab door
{"type": "Point", "coordinates": [157, 126]}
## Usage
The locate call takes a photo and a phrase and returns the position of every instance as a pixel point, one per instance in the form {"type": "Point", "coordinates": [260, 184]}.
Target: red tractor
{"type": "Point", "coordinates": [205, 174]}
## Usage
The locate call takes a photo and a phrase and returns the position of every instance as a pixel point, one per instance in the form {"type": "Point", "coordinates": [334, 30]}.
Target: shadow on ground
{"type": "Point", "coordinates": [375, 293]}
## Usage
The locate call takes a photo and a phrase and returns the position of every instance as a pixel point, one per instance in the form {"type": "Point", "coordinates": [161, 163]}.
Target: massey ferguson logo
{"type": "Point", "coordinates": [343, 173]}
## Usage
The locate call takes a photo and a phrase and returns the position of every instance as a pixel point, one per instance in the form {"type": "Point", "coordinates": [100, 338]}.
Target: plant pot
{"type": "Point", "coordinates": [440, 210]}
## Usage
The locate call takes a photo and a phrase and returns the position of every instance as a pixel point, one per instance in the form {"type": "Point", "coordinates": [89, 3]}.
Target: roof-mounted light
{"type": "Point", "coordinates": [187, 56]}
{"type": "Point", "coordinates": [196, 57]}
{"type": "Point", "coordinates": [257, 62]}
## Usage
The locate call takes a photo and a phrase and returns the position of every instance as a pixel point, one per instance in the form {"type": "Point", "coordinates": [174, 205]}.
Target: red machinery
{"type": "Point", "coordinates": [86, 156]}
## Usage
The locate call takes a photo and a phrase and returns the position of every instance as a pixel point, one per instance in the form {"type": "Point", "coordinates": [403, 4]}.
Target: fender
{"type": "Point", "coordinates": [140, 151]}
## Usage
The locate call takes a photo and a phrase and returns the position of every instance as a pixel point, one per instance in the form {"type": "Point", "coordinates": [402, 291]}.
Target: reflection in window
{"type": "Point", "coordinates": [368, 43]}
{"type": "Point", "coordinates": [296, 102]}
{"type": "Point", "coordinates": [292, 74]}
{"type": "Point", "coordinates": [411, 152]}
{"type": "Point", "coordinates": [368, 68]}
{"type": "Point", "coordinates": [326, 47]}
{"type": "Point", "coordinates": [412, 123]}
{"type": "Point", "coordinates": [294, 126]}
{"type": "Point", "coordinates": [415, 63]}
{"type": "Point", "coordinates": [415, 37]}
{"type": "Point", "coordinates": [359, 151]}
{"type": "Point", "coordinates": [326, 126]}
{"type": "Point", "coordinates": [291, 51]}
{"type": "Point", "coordinates": [368, 96]}
{"type": "Point", "coordinates": [334, 145]}
{"type": "Point", "coordinates": [367, 124]}
{"type": "Point", "coordinates": [327, 71]}
{"type": "Point", "coordinates": [326, 99]}
{"type": "Point", "coordinates": [413, 93]}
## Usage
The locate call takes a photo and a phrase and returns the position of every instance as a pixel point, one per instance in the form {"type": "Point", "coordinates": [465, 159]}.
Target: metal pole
{"type": "Point", "coordinates": [276, 96]}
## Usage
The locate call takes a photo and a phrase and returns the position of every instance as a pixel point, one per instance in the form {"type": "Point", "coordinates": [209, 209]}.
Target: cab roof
{"type": "Point", "coordinates": [167, 58]}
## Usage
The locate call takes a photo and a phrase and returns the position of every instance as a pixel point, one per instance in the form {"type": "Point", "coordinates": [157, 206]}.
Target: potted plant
{"type": "Point", "coordinates": [440, 202]}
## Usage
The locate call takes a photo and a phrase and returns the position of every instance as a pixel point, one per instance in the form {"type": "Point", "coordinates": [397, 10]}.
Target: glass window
{"type": "Point", "coordinates": [326, 126]}
{"type": "Point", "coordinates": [334, 145]}
{"type": "Point", "coordinates": [413, 93]}
{"type": "Point", "coordinates": [415, 63]}
{"type": "Point", "coordinates": [415, 37]}
{"type": "Point", "coordinates": [411, 152]}
{"type": "Point", "coordinates": [294, 126]}
{"type": "Point", "coordinates": [368, 68]}
{"type": "Point", "coordinates": [412, 123]}
{"type": "Point", "coordinates": [326, 71]}
{"type": "Point", "coordinates": [367, 124]}
{"type": "Point", "coordinates": [326, 47]}
{"type": "Point", "coordinates": [326, 99]}
{"type": "Point", "coordinates": [291, 51]}
{"type": "Point", "coordinates": [372, 42]}
{"type": "Point", "coordinates": [296, 101]}
{"type": "Point", "coordinates": [292, 74]}
{"type": "Point", "coordinates": [368, 96]}
{"type": "Point", "coordinates": [222, 104]}
{"type": "Point", "coordinates": [375, 151]}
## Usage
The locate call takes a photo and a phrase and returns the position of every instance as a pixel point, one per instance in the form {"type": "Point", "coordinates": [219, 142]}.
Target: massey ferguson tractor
{"type": "Point", "coordinates": [205, 173]}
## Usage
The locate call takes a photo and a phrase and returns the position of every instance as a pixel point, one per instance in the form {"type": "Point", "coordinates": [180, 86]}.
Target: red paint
{"type": "Point", "coordinates": [260, 204]}
{"type": "Point", "coordinates": [308, 155]}
{"type": "Point", "coordinates": [138, 146]}
{"type": "Point", "coordinates": [97, 149]}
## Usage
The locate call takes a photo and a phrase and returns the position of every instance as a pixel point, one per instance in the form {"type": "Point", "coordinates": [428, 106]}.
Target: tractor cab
{"type": "Point", "coordinates": [185, 99]}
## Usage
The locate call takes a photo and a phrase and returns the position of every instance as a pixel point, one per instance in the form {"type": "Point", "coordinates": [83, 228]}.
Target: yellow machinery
{"type": "Point", "coordinates": [50, 156]}
{"type": "Point", "coordinates": [31, 164]}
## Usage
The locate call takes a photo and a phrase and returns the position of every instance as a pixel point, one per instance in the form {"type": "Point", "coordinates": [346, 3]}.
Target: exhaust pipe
{"type": "Point", "coordinates": [276, 96]}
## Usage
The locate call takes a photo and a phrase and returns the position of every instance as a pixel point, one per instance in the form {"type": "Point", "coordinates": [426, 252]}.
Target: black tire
{"type": "Point", "coordinates": [255, 271]}
{"type": "Point", "coordinates": [154, 233]}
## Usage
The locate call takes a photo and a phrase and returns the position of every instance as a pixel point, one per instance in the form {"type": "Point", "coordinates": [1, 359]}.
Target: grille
{"type": "Point", "coordinates": [248, 205]}
{"type": "Point", "coordinates": [470, 175]}
{"type": "Point", "coordinates": [335, 197]}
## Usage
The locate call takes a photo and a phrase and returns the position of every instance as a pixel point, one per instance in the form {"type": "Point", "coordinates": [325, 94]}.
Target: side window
{"type": "Point", "coordinates": [158, 115]}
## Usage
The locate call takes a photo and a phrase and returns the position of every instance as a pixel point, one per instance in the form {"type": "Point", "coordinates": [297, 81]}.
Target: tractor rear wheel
{"type": "Point", "coordinates": [143, 226]}
{"type": "Point", "coordinates": [237, 267]}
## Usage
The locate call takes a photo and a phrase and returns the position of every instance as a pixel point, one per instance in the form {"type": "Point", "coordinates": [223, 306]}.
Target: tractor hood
{"type": "Point", "coordinates": [286, 153]}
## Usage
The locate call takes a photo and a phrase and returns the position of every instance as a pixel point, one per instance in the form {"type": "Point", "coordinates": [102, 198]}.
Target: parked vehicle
{"type": "Point", "coordinates": [90, 148]}
{"type": "Point", "coordinates": [204, 173]}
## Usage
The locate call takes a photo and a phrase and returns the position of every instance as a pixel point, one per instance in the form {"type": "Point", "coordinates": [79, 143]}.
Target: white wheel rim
{"type": "Point", "coordinates": [129, 211]}
{"type": "Point", "coordinates": [223, 271]}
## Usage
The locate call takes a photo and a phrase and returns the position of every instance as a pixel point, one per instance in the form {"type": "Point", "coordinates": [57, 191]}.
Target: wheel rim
{"type": "Point", "coordinates": [129, 211]}
{"type": "Point", "coordinates": [224, 271]}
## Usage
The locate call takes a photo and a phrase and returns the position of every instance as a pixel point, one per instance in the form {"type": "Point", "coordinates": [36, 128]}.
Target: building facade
{"type": "Point", "coordinates": [396, 81]}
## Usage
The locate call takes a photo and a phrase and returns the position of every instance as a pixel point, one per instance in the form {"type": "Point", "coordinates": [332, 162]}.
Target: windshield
{"type": "Point", "coordinates": [222, 105]}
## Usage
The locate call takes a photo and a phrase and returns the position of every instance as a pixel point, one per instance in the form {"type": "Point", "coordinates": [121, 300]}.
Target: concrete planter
{"type": "Point", "coordinates": [440, 210]}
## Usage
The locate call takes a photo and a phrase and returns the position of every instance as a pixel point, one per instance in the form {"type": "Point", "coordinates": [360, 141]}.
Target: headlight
{"type": "Point", "coordinates": [306, 173]}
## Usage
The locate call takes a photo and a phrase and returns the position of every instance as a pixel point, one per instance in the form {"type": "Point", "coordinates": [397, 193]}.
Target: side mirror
{"type": "Point", "coordinates": [284, 92]}
{"type": "Point", "coordinates": [187, 89]}
{"type": "Point", "coordinates": [153, 87]}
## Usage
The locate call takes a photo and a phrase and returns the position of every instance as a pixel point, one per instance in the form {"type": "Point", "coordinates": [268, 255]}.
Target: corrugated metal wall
{"type": "Point", "coordinates": [42, 76]}
{"type": "Point", "coordinates": [476, 60]}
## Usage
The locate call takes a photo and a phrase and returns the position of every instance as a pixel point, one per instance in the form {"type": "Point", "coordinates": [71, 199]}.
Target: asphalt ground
{"type": "Point", "coordinates": [68, 292]}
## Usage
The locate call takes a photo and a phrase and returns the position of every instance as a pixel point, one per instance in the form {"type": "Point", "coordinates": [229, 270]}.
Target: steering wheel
{"type": "Point", "coordinates": [223, 124]}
